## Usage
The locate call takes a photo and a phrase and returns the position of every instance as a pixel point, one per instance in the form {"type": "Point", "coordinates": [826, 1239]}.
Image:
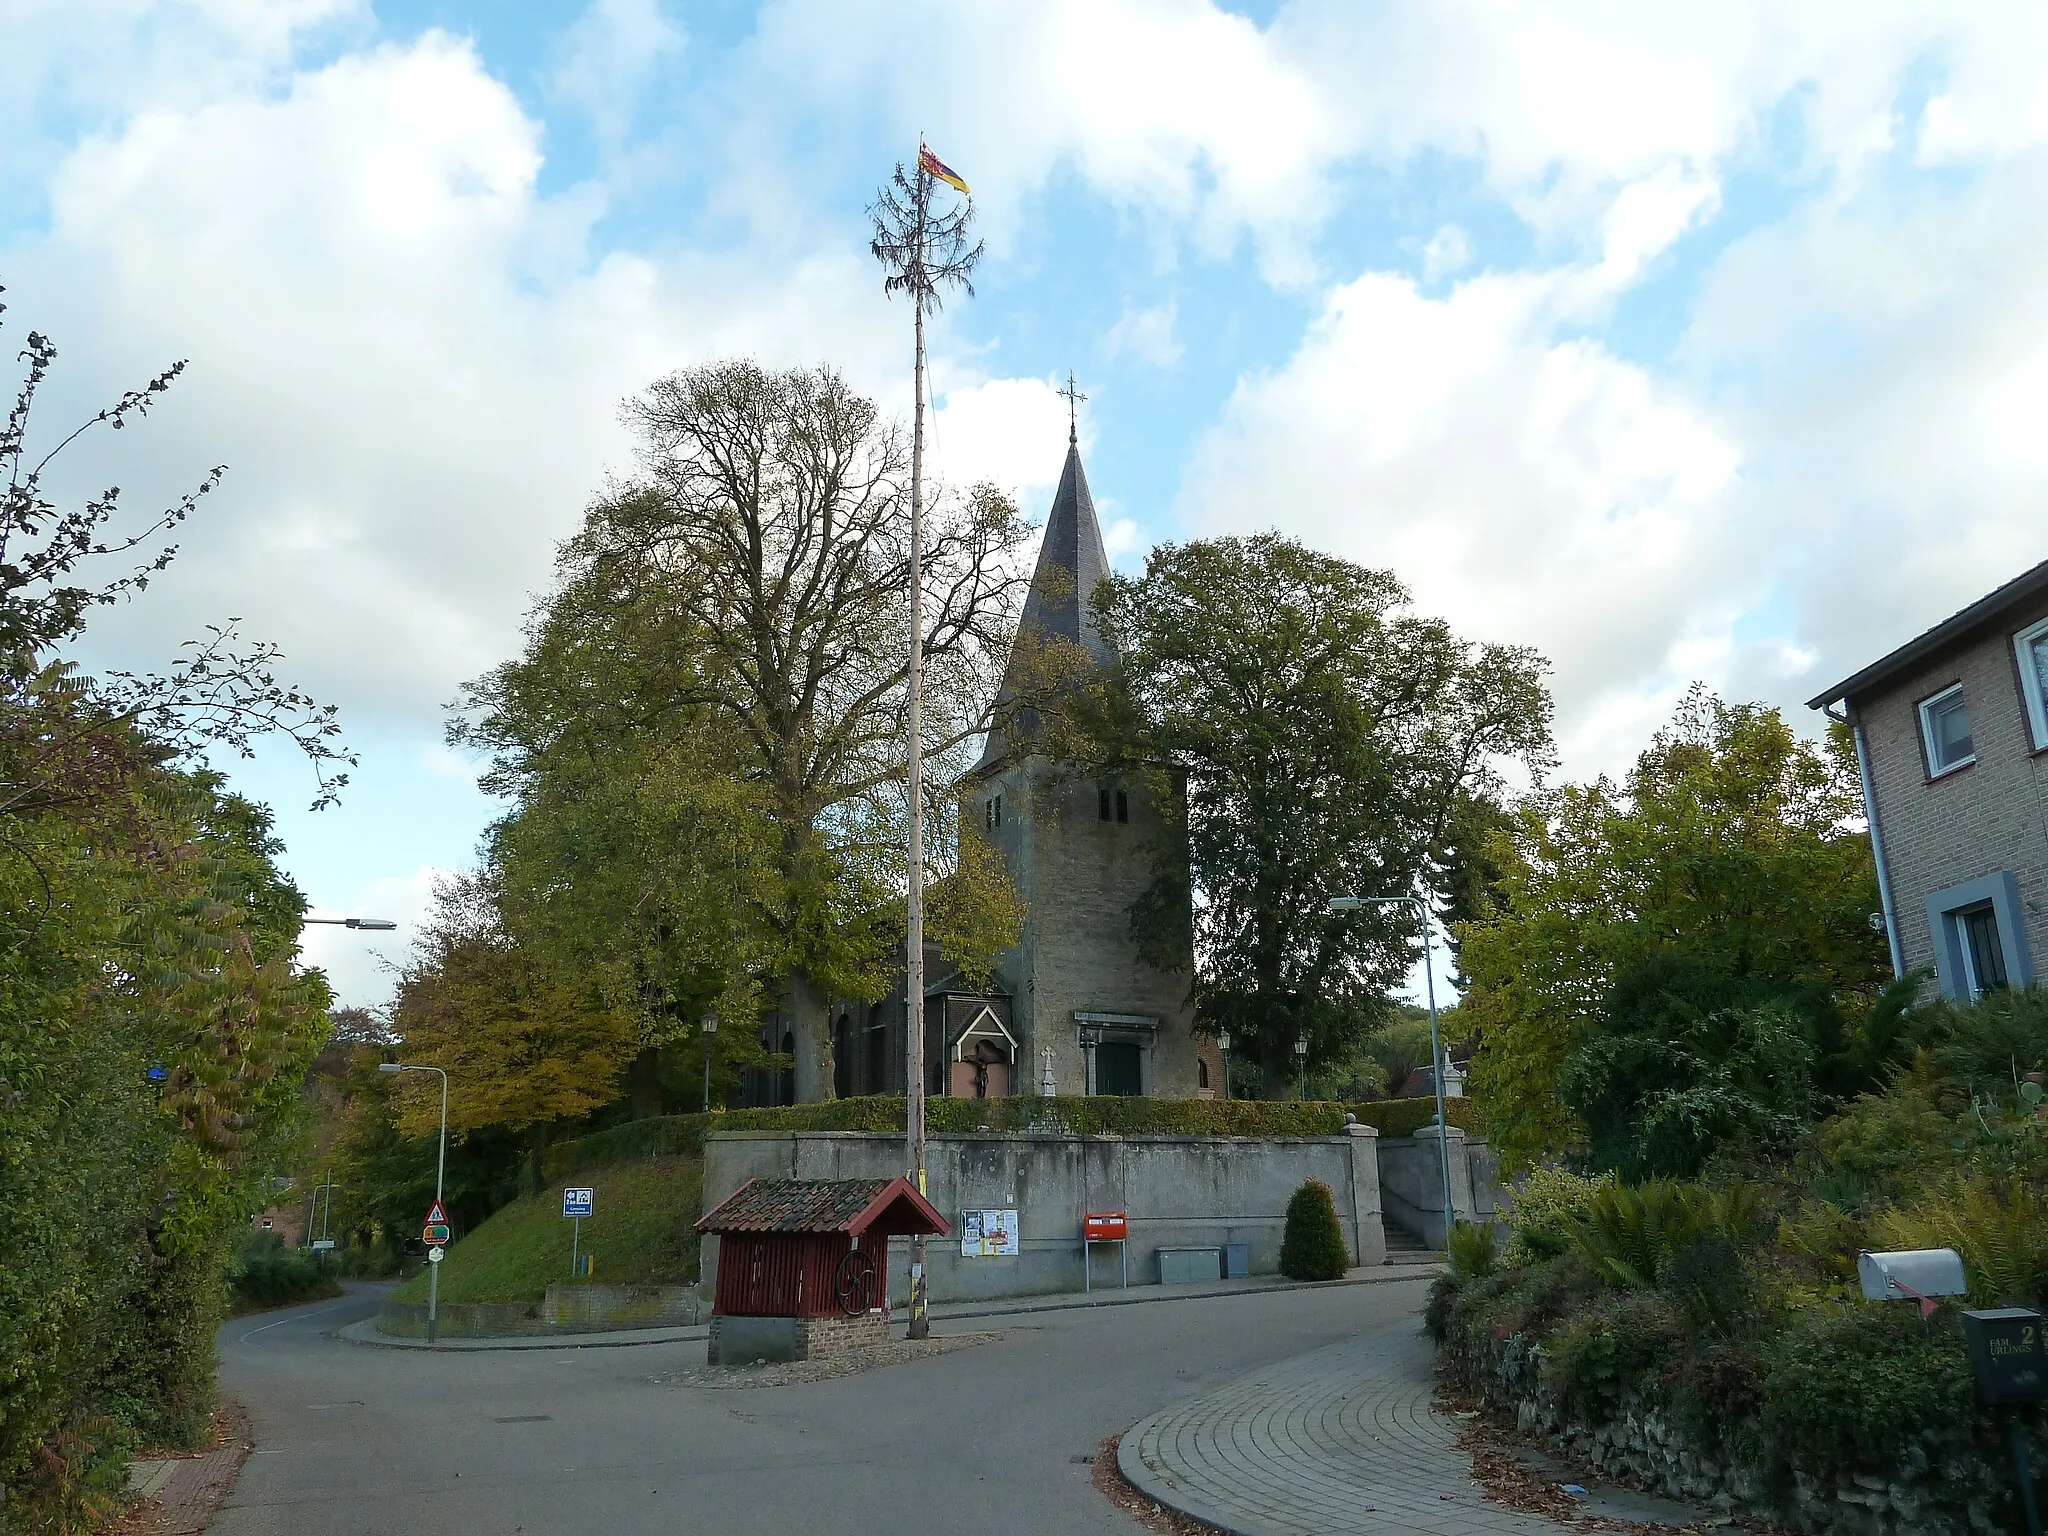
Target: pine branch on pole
{"type": "Point", "coordinates": [921, 251]}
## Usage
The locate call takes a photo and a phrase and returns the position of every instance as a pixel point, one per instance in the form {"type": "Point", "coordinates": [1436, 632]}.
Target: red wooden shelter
{"type": "Point", "coordinates": [812, 1247]}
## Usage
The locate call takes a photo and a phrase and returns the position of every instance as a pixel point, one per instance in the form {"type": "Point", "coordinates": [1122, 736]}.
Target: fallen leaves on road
{"type": "Point", "coordinates": [1110, 1483]}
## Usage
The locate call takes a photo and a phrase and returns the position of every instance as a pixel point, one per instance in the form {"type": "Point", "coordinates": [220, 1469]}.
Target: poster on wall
{"type": "Point", "coordinates": [988, 1234]}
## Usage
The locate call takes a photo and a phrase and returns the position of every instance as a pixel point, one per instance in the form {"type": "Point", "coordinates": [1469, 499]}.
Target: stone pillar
{"type": "Point", "coordinates": [1364, 1149]}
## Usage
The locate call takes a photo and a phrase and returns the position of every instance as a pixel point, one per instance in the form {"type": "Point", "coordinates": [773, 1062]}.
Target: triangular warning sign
{"type": "Point", "coordinates": [436, 1217]}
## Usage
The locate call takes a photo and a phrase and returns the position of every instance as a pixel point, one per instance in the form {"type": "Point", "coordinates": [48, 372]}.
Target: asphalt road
{"type": "Point", "coordinates": [379, 1442]}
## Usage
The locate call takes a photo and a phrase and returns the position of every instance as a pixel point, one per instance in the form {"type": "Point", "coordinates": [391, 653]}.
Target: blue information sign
{"type": "Point", "coordinates": [576, 1202]}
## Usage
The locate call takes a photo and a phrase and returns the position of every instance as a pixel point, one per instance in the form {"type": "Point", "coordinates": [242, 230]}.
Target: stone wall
{"type": "Point", "coordinates": [1412, 1182]}
{"type": "Point", "coordinates": [761, 1340]}
{"type": "Point", "coordinates": [1179, 1192]}
{"type": "Point", "coordinates": [564, 1309]}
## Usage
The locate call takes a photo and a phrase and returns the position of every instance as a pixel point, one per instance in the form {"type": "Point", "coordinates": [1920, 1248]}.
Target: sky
{"type": "Point", "coordinates": [1680, 342]}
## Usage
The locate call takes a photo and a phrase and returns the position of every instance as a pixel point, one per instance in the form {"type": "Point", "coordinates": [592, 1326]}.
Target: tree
{"type": "Point", "coordinates": [154, 1022]}
{"type": "Point", "coordinates": [1730, 871]}
{"type": "Point", "coordinates": [522, 1044]}
{"type": "Point", "coordinates": [1327, 738]}
{"type": "Point", "coordinates": [759, 561]}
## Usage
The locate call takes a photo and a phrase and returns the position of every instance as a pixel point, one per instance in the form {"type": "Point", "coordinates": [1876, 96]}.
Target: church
{"type": "Point", "coordinates": [1072, 1009]}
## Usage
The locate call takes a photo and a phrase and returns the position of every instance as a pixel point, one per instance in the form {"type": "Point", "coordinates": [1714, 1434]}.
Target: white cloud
{"type": "Point", "coordinates": [1533, 489]}
{"type": "Point", "coordinates": [1448, 252]}
{"type": "Point", "coordinates": [1009, 432]}
{"type": "Point", "coordinates": [608, 58]}
{"type": "Point", "coordinates": [1146, 334]}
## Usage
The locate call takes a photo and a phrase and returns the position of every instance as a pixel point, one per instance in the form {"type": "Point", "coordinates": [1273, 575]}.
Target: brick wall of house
{"type": "Point", "coordinates": [1977, 820]}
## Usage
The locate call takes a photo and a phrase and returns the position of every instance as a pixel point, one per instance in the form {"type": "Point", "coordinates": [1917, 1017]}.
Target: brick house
{"type": "Point", "coordinates": [1952, 739]}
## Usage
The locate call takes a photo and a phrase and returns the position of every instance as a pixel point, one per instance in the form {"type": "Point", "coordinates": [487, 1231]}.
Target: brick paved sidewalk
{"type": "Point", "coordinates": [1342, 1442]}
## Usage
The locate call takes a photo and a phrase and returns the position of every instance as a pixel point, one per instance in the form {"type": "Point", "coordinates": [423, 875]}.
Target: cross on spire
{"type": "Point", "coordinates": [1073, 397]}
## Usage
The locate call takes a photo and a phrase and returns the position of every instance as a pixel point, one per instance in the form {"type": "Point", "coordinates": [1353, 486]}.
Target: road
{"type": "Point", "coordinates": [353, 1440]}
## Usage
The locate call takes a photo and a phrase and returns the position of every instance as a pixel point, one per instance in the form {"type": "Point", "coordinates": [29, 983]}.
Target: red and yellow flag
{"type": "Point", "coordinates": [933, 165]}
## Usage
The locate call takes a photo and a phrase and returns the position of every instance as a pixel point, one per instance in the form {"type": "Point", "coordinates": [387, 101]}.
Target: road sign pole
{"type": "Point", "coordinates": [575, 1244]}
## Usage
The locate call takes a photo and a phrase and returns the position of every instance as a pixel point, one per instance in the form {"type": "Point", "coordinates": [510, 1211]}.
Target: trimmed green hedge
{"type": "Point", "coordinates": [682, 1135]}
{"type": "Point", "coordinates": [1404, 1117]}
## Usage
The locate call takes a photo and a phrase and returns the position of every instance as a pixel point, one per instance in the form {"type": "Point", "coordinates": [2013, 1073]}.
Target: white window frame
{"type": "Point", "coordinates": [1935, 768]}
{"type": "Point", "coordinates": [2032, 684]}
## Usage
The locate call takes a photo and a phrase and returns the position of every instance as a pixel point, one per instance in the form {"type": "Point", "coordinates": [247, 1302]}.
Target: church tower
{"type": "Point", "coordinates": [1089, 1017]}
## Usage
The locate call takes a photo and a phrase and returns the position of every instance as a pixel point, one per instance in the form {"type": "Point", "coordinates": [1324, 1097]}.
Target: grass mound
{"type": "Point", "coordinates": [640, 1230]}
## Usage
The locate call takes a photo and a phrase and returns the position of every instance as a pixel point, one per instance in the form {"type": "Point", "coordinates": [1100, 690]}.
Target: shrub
{"type": "Point", "coordinates": [265, 1273]}
{"type": "Point", "coordinates": [1547, 1203]}
{"type": "Point", "coordinates": [1471, 1248]}
{"type": "Point", "coordinates": [1885, 1144]}
{"type": "Point", "coordinates": [1404, 1117]}
{"type": "Point", "coordinates": [1601, 1354]}
{"type": "Point", "coordinates": [1313, 1246]}
{"type": "Point", "coordinates": [2000, 1229]}
{"type": "Point", "coordinates": [1849, 1387]}
{"type": "Point", "coordinates": [1630, 1233]}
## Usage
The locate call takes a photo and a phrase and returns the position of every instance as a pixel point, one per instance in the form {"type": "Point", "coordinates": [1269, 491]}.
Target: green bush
{"type": "Point", "coordinates": [1313, 1245]}
{"type": "Point", "coordinates": [1886, 1145]}
{"type": "Point", "coordinates": [1547, 1204]}
{"type": "Point", "coordinates": [1602, 1354]}
{"type": "Point", "coordinates": [1848, 1388]}
{"type": "Point", "coordinates": [265, 1273]}
{"type": "Point", "coordinates": [1631, 1232]}
{"type": "Point", "coordinates": [1471, 1249]}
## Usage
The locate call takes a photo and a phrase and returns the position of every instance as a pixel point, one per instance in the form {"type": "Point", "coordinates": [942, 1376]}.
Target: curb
{"type": "Point", "coordinates": [365, 1332]}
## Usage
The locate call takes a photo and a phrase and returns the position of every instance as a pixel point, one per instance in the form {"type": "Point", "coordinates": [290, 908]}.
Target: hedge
{"type": "Point", "coordinates": [676, 1135]}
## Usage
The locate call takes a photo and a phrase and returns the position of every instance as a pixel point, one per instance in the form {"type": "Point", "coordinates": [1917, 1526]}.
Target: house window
{"type": "Point", "coordinates": [2031, 648]}
{"type": "Point", "coordinates": [1945, 728]}
{"type": "Point", "coordinates": [1123, 806]}
{"type": "Point", "coordinates": [1983, 951]}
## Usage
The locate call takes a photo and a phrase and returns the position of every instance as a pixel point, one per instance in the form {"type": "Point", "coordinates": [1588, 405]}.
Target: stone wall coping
{"type": "Point", "coordinates": [1148, 1138]}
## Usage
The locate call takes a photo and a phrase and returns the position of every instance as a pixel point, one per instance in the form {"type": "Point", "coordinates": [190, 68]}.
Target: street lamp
{"type": "Point", "coordinates": [1436, 1049]}
{"type": "Point", "coordinates": [374, 924]}
{"type": "Point", "coordinates": [1223, 1045]}
{"type": "Point", "coordinates": [1301, 1065]}
{"type": "Point", "coordinates": [440, 1172]}
{"type": "Point", "coordinates": [710, 1027]}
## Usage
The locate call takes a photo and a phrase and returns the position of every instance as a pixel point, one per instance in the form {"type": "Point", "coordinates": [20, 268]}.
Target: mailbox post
{"type": "Point", "coordinates": [2012, 1371]}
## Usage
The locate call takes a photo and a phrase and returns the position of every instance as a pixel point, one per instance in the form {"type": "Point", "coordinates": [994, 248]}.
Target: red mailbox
{"type": "Point", "coordinates": [1105, 1227]}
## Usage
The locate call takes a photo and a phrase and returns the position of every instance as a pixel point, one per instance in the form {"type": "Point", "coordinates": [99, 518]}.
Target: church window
{"type": "Point", "coordinates": [1123, 806]}
{"type": "Point", "coordinates": [993, 813]}
{"type": "Point", "coordinates": [1102, 802]}
{"type": "Point", "coordinates": [1201, 1073]}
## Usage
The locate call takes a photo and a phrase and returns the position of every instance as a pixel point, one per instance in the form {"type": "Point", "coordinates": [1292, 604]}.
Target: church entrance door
{"type": "Point", "coordinates": [1119, 1069]}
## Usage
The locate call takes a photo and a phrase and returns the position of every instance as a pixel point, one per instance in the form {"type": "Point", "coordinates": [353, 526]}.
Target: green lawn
{"type": "Point", "coordinates": [640, 1230]}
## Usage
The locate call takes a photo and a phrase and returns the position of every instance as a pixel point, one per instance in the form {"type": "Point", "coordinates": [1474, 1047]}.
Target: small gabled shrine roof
{"type": "Point", "coordinates": [888, 1207]}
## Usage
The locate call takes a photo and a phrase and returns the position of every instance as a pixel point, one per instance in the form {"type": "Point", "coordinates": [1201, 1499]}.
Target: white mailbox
{"type": "Point", "coordinates": [1914, 1275]}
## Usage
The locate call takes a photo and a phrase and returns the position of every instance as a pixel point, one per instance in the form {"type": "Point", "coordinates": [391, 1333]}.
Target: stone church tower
{"type": "Point", "coordinates": [1087, 1016]}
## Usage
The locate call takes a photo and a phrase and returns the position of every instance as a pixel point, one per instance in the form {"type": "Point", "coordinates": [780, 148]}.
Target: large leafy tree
{"type": "Point", "coordinates": [1649, 943]}
{"type": "Point", "coordinates": [748, 587]}
{"type": "Point", "coordinates": [1328, 739]}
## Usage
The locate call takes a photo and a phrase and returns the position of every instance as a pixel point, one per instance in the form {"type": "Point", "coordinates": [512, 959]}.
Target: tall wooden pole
{"type": "Point", "coordinates": [920, 1320]}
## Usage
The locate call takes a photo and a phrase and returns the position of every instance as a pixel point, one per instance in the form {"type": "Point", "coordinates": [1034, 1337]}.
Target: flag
{"type": "Point", "coordinates": [937, 167]}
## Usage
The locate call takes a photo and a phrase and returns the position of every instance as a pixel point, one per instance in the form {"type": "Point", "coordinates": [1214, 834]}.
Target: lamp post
{"type": "Point", "coordinates": [1301, 1065]}
{"type": "Point", "coordinates": [440, 1172]}
{"type": "Point", "coordinates": [1436, 1049]}
{"type": "Point", "coordinates": [1223, 1045]}
{"type": "Point", "coordinates": [710, 1028]}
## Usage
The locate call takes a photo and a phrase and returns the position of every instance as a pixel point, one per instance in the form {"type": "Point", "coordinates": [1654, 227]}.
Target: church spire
{"type": "Point", "coordinates": [1073, 397]}
{"type": "Point", "coordinates": [1060, 603]}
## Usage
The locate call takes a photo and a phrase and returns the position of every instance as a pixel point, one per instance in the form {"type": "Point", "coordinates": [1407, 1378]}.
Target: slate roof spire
{"type": "Point", "coordinates": [1059, 605]}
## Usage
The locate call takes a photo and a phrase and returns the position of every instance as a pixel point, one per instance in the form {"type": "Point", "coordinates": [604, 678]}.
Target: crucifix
{"type": "Point", "coordinates": [1073, 397]}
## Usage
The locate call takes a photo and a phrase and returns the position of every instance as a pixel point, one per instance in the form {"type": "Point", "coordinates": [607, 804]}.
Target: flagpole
{"type": "Point", "coordinates": [920, 1320]}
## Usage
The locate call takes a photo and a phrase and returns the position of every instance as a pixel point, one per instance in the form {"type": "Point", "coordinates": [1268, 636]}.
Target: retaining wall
{"type": "Point", "coordinates": [565, 1309]}
{"type": "Point", "coordinates": [1179, 1192]}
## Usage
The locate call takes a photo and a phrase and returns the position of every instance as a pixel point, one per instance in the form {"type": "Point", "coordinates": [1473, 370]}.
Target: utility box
{"type": "Point", "coordinates": [1189, 1266]}
{"type": "Point", "coordinates": [1237, 1261]}
{"type": "Point", "coordinates": [2007, 1354]}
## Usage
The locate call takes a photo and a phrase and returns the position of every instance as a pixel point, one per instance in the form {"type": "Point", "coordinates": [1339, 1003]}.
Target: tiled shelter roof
{"type": "Point", "coordinates": [852, 1206]}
